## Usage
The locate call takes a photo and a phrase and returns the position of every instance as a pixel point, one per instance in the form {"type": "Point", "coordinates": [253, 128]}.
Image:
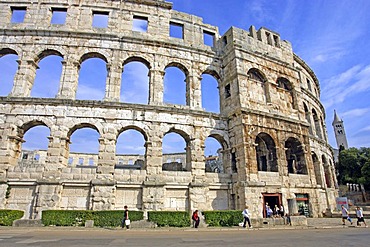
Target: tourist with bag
{"type": "Point", "coordinates": [126, 221]}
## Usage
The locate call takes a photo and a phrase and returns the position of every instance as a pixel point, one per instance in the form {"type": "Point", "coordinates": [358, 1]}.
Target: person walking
{"type": "Point", "coordinates": [360, 216]}
{"type": "Point", "coordinates": [246, 218]}
{"type": "Point", "coordinates": [126, 220]}
{"type": "Point", "coordinates": [195, 218]}
{"type": "Point", "coordinates": [345, 215]}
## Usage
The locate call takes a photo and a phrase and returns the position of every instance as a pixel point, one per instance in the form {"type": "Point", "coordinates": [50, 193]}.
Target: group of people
{"type": "Point", "coordinates": [276, 213]}
{"type": "Point", "coordinates": [359, 215]}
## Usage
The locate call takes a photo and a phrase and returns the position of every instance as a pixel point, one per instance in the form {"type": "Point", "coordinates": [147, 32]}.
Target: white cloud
{"type": "Point", "coordinates": [349, 83]}
{"type": "Point", "coordinates": [355, 112]}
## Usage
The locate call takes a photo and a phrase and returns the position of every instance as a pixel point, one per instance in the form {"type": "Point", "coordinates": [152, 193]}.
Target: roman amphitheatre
{"type": "Point", "coordinates": [270, 124]}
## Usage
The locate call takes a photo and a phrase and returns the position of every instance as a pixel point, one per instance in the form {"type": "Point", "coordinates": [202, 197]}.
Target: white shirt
{"type": "Point", "coordinates": [344, 212]}
{"type": "Point", "coordinates": [246, 213]}
{"type": "Point", "coordinates": [359, 213]}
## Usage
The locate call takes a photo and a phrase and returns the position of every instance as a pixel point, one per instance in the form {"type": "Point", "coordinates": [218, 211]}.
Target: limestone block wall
{"type": "Point", "coordinates": [270, 126]}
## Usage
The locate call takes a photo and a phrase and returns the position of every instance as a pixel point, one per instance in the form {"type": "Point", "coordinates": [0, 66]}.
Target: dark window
{"type": "Point", "coordinates": [227, 91]}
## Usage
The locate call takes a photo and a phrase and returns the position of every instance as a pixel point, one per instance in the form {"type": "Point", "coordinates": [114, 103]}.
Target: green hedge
{"type": "Point", "coordinates": [7, 216]}
{"type": "Point", "coordinates": [111, 218]}
{"type": "Point", "coordinates": [223, 218]}
{"type": "Point", "coordinates": [170, 218]}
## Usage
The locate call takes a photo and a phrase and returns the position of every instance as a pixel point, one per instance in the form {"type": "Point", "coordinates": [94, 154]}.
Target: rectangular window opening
{"type": "Point", "coordinates": [81, 161]}
{"type": "Point", "coordinates": [59, 16]}
{"type": "Point", "coordinates": [91, 162]}
{"type": "Point", "coordinates": [224, 41]}
{"type": "Point", "coordinates": [18, 14]}
{"type": "Point", "coordinates": [100, 19]}
{"type": "Point", "coordinates": [208, 38]}
{"type": "Point", "coordinates": [176, 30]}
{"type": "Point", "coordinates": [276, 41]}
{"type": "Point", "coordinates": [227, 91]}
{"type": "Point", "coordinates": [70, 161]}
{"type": "Point", "coordinates": [140, 24]}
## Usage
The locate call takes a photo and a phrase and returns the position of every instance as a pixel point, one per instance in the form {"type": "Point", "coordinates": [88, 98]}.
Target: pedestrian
{"type": "Point", "coordinates": [268, 212]}
{"type": "Point", "coordinates": [288, 219]}
{"type": "Point", "coordinates": [126, 220]}
{"type": "Point", "coordinates": [360, 216]}
{"type": "Point", "coordinates": [195, 218]}
{"type": "Point", "coordinates": [345, 215]}
{"type": "Point", "coordinates": [276, 211]}
{"type": "Point", "coordinates": [246, 218]}
{"type": "Point", "coordinates": [282, 211]}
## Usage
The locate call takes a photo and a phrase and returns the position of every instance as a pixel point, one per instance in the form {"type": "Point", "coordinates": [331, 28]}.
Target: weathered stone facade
{"type": "Point", "coordinates": [271, 122]}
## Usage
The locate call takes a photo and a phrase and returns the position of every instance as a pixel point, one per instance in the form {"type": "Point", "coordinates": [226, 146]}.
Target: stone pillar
{"type": "Point", "coordinates": [193, 92]}
{"type": "Point", "coordinates": [156, 87]}
{"type": "Point", "coordinates": [103, 195]}
{"type": "Point", "coordinates": [197, 161]}
{"type": "Point", "coordinates": [198, 197]}
{"type": "Point", "coordinates": [153, 196]}
{"type": "Point", "coordinates": [153, 161]}
{"type": "Point", "coordinates": [107, 157]}
{"type": "Point", "coordinates": [10, 147]}
{"type": "Point", "coordinates": [48, 194]}
{"type": "Point", "coordinates": [69, 80]}
{"type": "Point", "coordinates": [226, 160]}
{"type": "Point", "coordinates": [113, 83]}
{"type": "Point", "coordinates": [24, 78]}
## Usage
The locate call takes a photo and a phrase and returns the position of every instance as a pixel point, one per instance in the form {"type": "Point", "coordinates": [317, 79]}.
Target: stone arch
{"type": "Point", "coordinates": [138, 160]}
{"type": "Point", "coordinates": [7, 51]}
{"type": "Point", "coordinates": [266, 153]}
{"type": "Point", "coordinates": [217, 163]}
{"type": "Point", "coordinates": [134, 86]}
{"type": "Point", "coordinates": [307, 116]}
{"type": "Point", "coordinates": [80, 126]}
{"type": "Point", "coordinates": [137, 59]}
{"type": "Point", "coordinates": [261, 86]}
{"type": "Point", "coordinates": [48, 52]}
{"type": "Point", "coordinates": [209, 92]}
{"type": "Point", "coordinates": [186, 138]}
{"type": "Point", "coordinates": [30, 124]}
{"type": "Point", "coordinates": [287, 91]}
{"type": "Point", "coordinates": [8, 57]}
{"type": "Point", "coordinates": [295, 157]}
{"type": "Point", "coordinates": [327, 172]}
{"type": "Point", "coordinates": [88, 55]}
{"type": "Point", "coordinates": [317, 123]}
{"type": "Point", "coordinates": [317, 168]}
{"type": "Point", "coordinates": [170, 87]}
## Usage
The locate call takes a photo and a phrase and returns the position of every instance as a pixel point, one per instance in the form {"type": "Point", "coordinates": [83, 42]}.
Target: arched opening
{"type": "Point", "coordinates": [316, 120]}
{"type": "Point", "coordinates": [35, 145]}
{"type": "Point", "coordinates": [308, 118]}
{"type": "Point", "coordinates": [46, 84]}
{"type": "Point", "coordinates": [9, 67]}
{"type": "Point", "coordinates": [175, 88]}
{"type": "Point", "coordinates": [266, 153]}
{"type": "Point", "coordinates": [92, 78]}
{"type": "Point", "coordinates": [316, 165]}
{"type": "Point", "coordinates": [130, 150]}
{"type": "Point", "coordinates": [84, 146]}
{"type": "Point", "coordinates": [259, 87]}
{"type": "Point", "coordinates": [295, 156]}
{"type": "Point", "coordinates": [213, 155]}
{"type": "Point", "coordinates": [210, 93]}
{"type": "Point", "coordinates": [175, 153]}
{"type": "Point", "coordinates": [135, 83]}
{"type": "Point", "coordinates": [287, 92]}
{"type": "Point", "coordinates": [327, 172]}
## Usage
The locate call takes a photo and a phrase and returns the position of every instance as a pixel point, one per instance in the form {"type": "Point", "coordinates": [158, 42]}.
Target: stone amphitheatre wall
{"type": "Point", "coordinates": [270, 126]}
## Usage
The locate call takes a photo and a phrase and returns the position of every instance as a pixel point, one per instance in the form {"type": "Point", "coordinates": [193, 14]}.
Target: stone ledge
{"type": "Point", "coordinates": [27, 223]}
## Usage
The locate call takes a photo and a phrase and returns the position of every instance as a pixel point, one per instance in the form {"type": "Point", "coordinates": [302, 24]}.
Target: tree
{"type": "Point", "coordinates": [354, 166]}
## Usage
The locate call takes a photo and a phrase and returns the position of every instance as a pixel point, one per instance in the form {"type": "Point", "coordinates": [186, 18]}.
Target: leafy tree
{"type": "Point", "coordinates": [354, 166]}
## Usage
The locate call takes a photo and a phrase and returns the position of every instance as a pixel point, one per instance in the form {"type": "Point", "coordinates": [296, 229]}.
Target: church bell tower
{"type": "Point", "coordinates": [340, 134]}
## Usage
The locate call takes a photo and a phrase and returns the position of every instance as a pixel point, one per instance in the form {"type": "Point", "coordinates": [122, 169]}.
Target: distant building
{"type": "Point", "coordinates": [340, 134]}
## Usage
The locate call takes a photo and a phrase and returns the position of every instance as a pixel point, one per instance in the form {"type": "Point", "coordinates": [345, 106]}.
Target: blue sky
{"type": "Point", "coordinates": [330, 36]}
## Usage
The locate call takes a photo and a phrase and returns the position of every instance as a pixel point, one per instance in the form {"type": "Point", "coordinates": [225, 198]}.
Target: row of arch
{"type": "Point", "coordinates": [267, 159]}
{"type": "Point", "coordinates": [100, 79]}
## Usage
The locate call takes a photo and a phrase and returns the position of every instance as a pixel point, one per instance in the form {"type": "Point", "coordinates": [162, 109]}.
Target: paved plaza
{"type": "Point", "coordinates": [83, 237]}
